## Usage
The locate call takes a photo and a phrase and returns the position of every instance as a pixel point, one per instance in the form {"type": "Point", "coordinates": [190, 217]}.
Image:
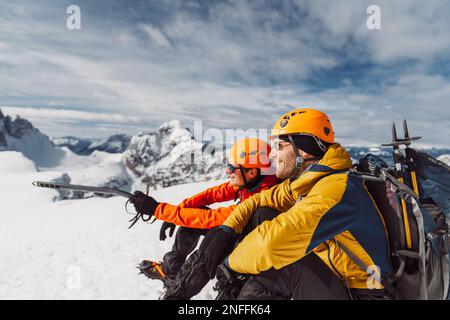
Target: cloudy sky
{"type": "Point", "coordinates": [232, 64]}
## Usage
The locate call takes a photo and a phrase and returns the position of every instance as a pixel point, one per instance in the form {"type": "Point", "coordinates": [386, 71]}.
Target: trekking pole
{"type": "Point", "coordinates": [73, 187]}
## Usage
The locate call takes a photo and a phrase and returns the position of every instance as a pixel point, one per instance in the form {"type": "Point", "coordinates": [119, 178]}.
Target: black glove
{"type": "Point", "coordinates": [218, 243]}
{"type": "Point", "coordinates": [144, 204]}
{"type": "Point", "coordinates": [164, 227]}
{"type": "Point", "coordinates": [229, 283]}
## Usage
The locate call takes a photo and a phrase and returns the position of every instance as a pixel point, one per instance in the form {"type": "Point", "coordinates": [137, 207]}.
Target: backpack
{"type": "Point", "coordinates": [417, 220]}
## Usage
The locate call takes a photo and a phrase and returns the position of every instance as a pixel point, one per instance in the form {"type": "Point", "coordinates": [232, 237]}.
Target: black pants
{"type": "Point", "coordinates": [193, 276]}
{"type": "Point", "coordinates": [186, 240]}
{"type": "Point", "coordinates": [307, 279]}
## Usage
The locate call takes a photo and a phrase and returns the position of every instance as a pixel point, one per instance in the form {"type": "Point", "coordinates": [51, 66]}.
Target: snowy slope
{"type": "Point", "coordinates": [48, 246]}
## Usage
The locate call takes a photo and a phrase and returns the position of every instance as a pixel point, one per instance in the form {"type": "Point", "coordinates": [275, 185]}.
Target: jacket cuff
{"type": "Point", "coordinates": [157, 213]}
{"type": "Point", "coordinates": [227, 229]}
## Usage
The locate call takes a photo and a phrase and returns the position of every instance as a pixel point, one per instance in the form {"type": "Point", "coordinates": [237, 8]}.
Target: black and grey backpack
{"type": "Point", "coordinates": [413, 196]}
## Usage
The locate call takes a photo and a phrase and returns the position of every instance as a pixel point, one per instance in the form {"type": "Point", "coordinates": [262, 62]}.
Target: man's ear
{"type": "Point", "coordinates": [254, 173]}
{"type": "Point", "coordinates": [304, 154]}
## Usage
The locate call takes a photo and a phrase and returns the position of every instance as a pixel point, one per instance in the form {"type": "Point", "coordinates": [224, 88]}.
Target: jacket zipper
{"type": "Point", "coordinates": [331, 262]}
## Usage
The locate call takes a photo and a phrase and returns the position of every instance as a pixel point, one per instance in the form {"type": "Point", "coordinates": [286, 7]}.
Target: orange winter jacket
{"type": "Point", "coordinates": [189, 214]}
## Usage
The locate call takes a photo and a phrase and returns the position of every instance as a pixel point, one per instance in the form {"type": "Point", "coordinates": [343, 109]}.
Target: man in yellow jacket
{"type": "Point", "coordinates": [328, 241]}
{"type": "Point", "coordinates": [326, 238]}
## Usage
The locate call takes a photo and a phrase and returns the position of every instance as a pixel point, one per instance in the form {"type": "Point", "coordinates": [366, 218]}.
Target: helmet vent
{"type": "Point", "coordinates": [326, 130]}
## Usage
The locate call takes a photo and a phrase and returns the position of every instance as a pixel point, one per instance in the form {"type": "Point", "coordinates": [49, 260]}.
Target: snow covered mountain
{"type": "Point", "coordinates": [62, 165]}
{"type": "Point", "coordinates": [76, 145]}
{"type": "Point", "coordinates": [18, 134]}
{"type": "Point", "coordinates": [165, 157]}
{"type": "Point", "coordinates": [358, 152]}
{"type": "Point", "coordinates": [161, 158]}
{"type": "Point", "coordinates": [157, 159]}
{"type": "Point", "coordinates": [117, 143]}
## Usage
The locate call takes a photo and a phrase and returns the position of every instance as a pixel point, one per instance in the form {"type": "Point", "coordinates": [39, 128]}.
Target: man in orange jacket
{"type": "Point", "coordinates": [247, 169]}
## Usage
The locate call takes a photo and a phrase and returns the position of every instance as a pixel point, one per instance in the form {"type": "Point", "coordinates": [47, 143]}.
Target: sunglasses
{"type": "Point", "coordinates": [231, 168]}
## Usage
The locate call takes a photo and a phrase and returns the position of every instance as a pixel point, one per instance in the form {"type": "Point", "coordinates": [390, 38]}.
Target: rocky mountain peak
{"type": "Point", "coordinates": [165, 157]}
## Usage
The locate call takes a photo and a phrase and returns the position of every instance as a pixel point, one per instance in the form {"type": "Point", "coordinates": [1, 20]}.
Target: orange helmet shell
{"type": "Point", "coordinates": [305, 121]}
{"type": "Point", "coordinates": [250, 153]}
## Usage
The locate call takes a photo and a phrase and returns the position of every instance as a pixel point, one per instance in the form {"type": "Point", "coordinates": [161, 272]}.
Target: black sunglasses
{"type": "Point", "coordinates": [231, 168]}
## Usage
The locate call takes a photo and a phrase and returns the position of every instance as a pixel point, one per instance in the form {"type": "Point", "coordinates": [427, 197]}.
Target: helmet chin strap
{"type": "Point", "coordinates": [247, 184]}
{"type": "Point", "coordinates": [243, 177]}
{"type": "Point", "coordinates": [236, 195]}
{"type": "Point", "coordinates": [299, 160]}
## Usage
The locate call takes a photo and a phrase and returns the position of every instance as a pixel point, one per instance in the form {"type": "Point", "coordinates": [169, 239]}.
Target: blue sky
{"type": "Point", "coordinates": [232, 64]}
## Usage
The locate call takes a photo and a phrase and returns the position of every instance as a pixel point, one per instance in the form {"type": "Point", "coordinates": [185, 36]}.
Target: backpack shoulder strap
{"type": "Point", "coordinates": [390, 290]}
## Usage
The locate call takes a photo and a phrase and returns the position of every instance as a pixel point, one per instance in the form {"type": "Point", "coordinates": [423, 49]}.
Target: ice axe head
{"type": "Point", "coordinates": [406, 140]}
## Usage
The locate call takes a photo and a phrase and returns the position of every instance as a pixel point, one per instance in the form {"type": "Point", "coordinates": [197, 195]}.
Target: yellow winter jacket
{"type": "Point", "coordinates": [323, 210]}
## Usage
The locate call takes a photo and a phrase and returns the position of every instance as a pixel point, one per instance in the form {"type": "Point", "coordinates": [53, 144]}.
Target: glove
{"type": "Point", "coordinates": [164, 227]}
{"type": "Point", "coordinates": [218, 243]}
{"type": "Point", "coordinates": [229, 283]}
{"type": "Point", "coordinates": [144, 204]}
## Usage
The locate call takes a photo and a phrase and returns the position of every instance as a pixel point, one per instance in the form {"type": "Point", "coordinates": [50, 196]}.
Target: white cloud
{"type": "Point", "coordinates": [241, 64]}
{"type": "Point", "coordinates": [410, 29]}
{"type": "Point", "coordinates": [71, 115]}
{"type": "Point", "coordinates": [155, 35]}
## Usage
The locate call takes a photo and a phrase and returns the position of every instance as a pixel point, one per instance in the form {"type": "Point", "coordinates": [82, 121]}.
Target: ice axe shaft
{"type": "Point", "coordinates": [73, 187]}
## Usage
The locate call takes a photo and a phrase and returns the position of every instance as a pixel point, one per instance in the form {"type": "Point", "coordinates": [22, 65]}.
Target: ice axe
{"type": "Point", "coordinates": [99, 190]}
{"type": "Point", "coordinates": [74, 187]}
{"type": "Point", "coordinates": [405, 172]}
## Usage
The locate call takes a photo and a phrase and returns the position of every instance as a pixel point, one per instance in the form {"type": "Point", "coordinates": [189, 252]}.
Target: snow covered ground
{"type": "Point", "coordinates": [74, 249]}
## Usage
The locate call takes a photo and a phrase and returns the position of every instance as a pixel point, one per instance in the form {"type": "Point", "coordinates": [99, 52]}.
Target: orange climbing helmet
{"type": "Point", "coordinates": [250, 153]}
{"type": "Point", "coordinates": [307, 122]}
